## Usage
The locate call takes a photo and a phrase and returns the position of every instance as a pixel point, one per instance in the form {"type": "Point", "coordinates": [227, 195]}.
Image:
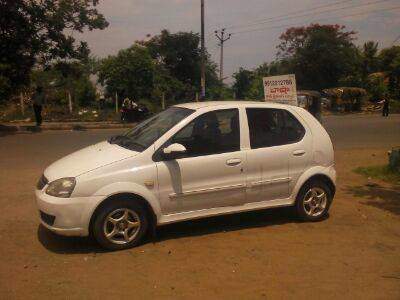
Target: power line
{"type": "Point", "coordinates": [289, 14]}
{"type": "Point", "coordinates": [321, 19]}
{"type": "Point", "coordinates": [395, 40]}
{"type": "Point", "coordinates": [316, 13]}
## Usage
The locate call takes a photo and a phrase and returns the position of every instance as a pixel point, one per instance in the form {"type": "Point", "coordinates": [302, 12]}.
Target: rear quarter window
{"type": "Point", "coordinates": [270, 127]}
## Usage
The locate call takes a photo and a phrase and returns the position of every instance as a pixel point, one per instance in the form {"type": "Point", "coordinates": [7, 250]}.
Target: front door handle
{"type": "Point", "coordinates": [233, 162]}
{"type": "Point", "coordinates": [299, 152]}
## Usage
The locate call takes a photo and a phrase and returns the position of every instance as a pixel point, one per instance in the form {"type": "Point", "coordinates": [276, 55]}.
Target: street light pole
{"type": "Point", "coordinates": [203, 56]}
{"type": "Point", "coordinates": [222, 39]}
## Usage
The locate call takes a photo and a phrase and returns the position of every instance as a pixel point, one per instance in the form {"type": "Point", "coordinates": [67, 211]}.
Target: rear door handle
{"type": "Point", "coordinates": [233, 162]}
{"type": "Point", "coordinates": [299, 152]}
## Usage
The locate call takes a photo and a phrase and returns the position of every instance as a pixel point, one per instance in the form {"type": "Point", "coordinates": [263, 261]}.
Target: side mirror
{"type": "Point", "coordinates": [173, 151]}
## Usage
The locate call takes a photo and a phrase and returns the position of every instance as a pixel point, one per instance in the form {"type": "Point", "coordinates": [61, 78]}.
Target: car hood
{"type": "Point", "coordinates": [86, 160]}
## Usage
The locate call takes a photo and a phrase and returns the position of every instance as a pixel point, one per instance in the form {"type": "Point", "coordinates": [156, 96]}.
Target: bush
{"type": "Point", "coordinates": [376, 87]}
{"type": "Point", "coordinates": [85, 93]}
{"type": "Point", "coordinates": [380, 172]}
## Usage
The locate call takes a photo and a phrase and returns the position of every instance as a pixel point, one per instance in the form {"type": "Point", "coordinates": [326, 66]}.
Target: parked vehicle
{"type": "Point", "coordinates": [311, 101]}
{"type": "Point", "coordinates": [130, 114]}
{"type": "Point", "coordinates": [191, 161]}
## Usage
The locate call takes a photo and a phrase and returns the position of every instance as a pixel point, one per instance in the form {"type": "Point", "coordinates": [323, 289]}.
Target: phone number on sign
{"type": "Point", "coordinates": [278, 82]}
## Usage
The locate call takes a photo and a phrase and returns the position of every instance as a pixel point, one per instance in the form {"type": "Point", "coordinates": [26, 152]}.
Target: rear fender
{"type": "Point", "coordinates": [316, 170]}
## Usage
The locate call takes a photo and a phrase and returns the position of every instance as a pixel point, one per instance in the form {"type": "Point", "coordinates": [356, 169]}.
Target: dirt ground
{"type": "Point", "coordinates": [355, 253]}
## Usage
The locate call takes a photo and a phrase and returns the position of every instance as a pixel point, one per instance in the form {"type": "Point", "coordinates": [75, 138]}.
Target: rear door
{"type": "Point", "coordinates": [300, 141]}
{"type": "Point", "coordinates": [268, 159]}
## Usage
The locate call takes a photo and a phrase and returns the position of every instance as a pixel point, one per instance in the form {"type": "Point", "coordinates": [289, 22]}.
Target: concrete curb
{"type": "Point", "coordinates": [11, 128]}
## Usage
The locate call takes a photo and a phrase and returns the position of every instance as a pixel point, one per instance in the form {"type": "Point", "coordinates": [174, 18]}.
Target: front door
{"type": "Point", "coordinates": [211, 174]}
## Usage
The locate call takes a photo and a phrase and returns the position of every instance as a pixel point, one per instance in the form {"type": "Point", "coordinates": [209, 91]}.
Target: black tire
{"type": "Point", "coordinates": [300, 207]}
{"type": "Point", "coordinates": [106, 210]}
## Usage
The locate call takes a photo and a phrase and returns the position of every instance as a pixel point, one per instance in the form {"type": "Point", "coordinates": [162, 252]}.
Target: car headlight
{"type": "Point", "coordinates": [61, 187]}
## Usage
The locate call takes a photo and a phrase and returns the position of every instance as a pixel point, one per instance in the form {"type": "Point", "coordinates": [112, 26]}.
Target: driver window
{"type": "Point", "coordinates": [211, 133]}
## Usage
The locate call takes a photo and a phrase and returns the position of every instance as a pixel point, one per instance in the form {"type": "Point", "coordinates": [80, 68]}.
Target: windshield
{"type": "Point", "coordinates": [150, 130]}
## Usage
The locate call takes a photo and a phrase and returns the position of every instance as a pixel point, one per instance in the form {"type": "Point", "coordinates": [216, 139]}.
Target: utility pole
{"type": "Point", "coordinates": [222, 39]}
{"type": "Point", "coordinates": [203, 56]}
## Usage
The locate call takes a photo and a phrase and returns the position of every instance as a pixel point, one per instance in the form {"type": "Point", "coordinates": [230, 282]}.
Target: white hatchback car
{"type": "Point", "coordinates": [190, 161]}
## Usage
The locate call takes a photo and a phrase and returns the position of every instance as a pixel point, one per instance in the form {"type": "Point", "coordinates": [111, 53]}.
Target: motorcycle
{"type": "Point", "coordinates": [135, 114]}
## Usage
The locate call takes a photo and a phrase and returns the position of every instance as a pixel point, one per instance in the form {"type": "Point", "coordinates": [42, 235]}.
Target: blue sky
{"type": "Point", "coordinates": [132, 20]}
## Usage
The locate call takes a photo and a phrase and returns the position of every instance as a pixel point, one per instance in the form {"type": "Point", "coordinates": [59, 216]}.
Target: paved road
{"type": "Point", "coordinates": [359, 131]}
{"type": "Point", "coordinates": [258, 255]}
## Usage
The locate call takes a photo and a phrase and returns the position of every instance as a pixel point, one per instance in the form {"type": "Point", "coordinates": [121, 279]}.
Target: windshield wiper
{"type": "Point", "coordinates": [126, 142]}
{"type": "Point", "coordinates": [116, 139]}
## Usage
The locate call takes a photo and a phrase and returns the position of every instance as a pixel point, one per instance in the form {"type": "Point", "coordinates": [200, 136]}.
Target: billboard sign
{"type": "Point", "coordinates": [281, 89]}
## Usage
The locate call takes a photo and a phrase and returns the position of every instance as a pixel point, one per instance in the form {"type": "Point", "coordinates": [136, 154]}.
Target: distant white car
{"type": "Point", "coordinates": [191, 161]}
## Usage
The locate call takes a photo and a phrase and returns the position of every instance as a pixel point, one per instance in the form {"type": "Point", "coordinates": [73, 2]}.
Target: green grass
{"type": "Point", "coordinates": [380, 172]}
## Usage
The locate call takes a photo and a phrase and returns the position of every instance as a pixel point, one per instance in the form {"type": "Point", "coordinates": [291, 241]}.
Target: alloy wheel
{"type": "Point", "coordinates": [315, 201]}
{"type": "Point", "coordinates": [121, 226]}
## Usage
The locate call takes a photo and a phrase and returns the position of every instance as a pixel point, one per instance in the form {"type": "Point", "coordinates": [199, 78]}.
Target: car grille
{"type": "Point", "coordinates": [42, 182]}
{"type": "Point", "coordinates": [48, 219]}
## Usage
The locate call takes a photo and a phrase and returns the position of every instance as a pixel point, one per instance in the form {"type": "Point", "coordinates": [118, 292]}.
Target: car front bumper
{"type": "Point", "coordinates": [66, 216]}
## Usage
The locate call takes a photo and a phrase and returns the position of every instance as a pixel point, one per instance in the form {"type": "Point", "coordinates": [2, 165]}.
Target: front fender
{"type": "Point", "coordinates": [330, 172]}
{"type": "Point", "coordinates": [131, 188]}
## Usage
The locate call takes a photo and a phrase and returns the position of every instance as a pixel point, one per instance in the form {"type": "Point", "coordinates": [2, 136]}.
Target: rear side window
{"type": "Point", "coordinates": [270, 127]}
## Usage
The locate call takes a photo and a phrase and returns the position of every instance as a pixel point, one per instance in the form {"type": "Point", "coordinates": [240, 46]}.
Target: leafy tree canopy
{"type": "Point", "coordinates": [370, 60]}
{"type": "Point", "coordinates": [243, 80]}
{"type": "Point", "coordinates": [320, 55]}
{"type": "Point", "coordinates": [390, 64]}
{"type": "Point", "coordinates": [130, 73]}
{"type": "Point", "coordinates": [60, 78]}
{"type": "Point", "coordinates": [179, 55]}
{"type": "Point", "coordinates": [32, 31]}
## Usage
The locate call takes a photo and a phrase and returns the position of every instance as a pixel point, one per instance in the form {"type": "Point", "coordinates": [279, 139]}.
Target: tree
{"type": "Point", "coordinates": [32, 31]}
{"type": "Point", "coordinates": [390, 64]}
{"type": "Point", "coordinates": [319, 55]}
{"type": "Point", "coordinates": [243, 81]}
{"type": "Point", "coordinates": [179, 55]}
{"type": "Point", "coordinates": [166, 84]}
{"type": "Point", "coordinates": [370, 60]}
{"type": "Point", "coordinates": [66, 77]}
{"type": "Point", "coordinates": [130, 73]}
{"type": "Point", "coordinates": [376, 86]}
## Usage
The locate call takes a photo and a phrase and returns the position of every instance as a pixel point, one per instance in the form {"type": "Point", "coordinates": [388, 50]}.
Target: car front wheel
{"type": "Point", "coordinates": [120, 225]}
{"type": "Point", "coordinates": [313, 201]}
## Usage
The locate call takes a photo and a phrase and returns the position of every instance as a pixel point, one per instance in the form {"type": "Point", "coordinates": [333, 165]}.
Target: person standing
{"type": "Point", "coordinates": [38, 101]}
{"type": "Point", "coordinates": [385, 107]}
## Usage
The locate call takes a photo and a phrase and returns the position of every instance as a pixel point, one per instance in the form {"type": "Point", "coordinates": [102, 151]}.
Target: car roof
{"type": "Point", "coordinates": [221, 104]}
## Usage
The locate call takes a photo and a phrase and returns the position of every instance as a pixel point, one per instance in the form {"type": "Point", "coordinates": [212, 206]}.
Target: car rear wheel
{"type": "Point", "coordinates": [120, 225]}
{"type": "Point", "coordinates": [313, 201]}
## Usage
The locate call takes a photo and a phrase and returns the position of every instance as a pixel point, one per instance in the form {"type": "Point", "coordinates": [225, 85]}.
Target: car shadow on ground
{"type": "Point", "coordinates": [226, 223]}
{"type": "Point", "coordinates": [65, 244]}
{"type": "Point", "coordinates": [386, 198]}
{"type": "Point", "coordinates": [83, 245]}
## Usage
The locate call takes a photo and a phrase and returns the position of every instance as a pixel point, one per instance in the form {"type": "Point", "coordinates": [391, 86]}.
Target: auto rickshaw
{"type": "Point", "coordinates": [311, 101]}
